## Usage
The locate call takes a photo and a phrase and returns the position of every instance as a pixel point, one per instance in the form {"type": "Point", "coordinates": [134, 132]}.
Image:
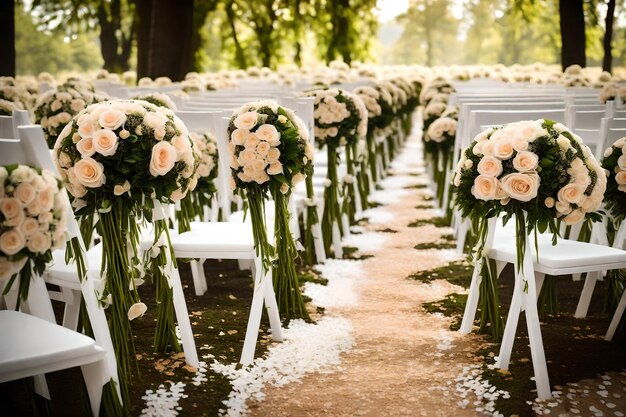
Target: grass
{"type": "Point", "coordinates": [435, 221]}
{"type": "Point", "coordinates": [457, 273]}
{"type": "Point", "coordinates": [424, 206]}
{"type": "Point", "coordinates": [451, 306]}
{"type": "Point", "coordinates": [350, 252]}
{"type": "Point", "coordinates": [416, 187]}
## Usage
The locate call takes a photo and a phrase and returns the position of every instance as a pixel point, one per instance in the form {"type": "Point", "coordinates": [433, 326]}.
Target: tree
{"type": "Point", "coordinates": [572, 23]}
{"type": "Point", "coordinates": [7, 38]}
{"type": "Point", "coordinates": [608, 35]}
{"type": "Point", "coordinates": [165, 29]}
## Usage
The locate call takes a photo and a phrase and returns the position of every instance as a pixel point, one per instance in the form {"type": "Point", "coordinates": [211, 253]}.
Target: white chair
{"type": "Point", "coordinates": [567, 257]}
{"type": "Point", "coordinates": [6, 127]}
{"type": "Point", "coordinates": [97, 360]}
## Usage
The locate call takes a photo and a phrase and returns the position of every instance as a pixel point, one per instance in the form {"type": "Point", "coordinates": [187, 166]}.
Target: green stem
{"type": "Point", "coordinates": [332, 212]}
{"type": "Point", "coordinates": [312, 219]}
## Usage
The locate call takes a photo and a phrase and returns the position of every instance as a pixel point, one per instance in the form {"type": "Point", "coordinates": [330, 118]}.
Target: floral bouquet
{"type": "Point", "coordinates": [15, 94]}
{"type": "Point", "coordinates": [380, 115]}
{"type": "Point", "coordinates": [195, 203]}
{"type": "Point", "coordinates": [55, 108]}
{"type": "Point", "coordinates": [438, 146]}
{"type": "Point", "coordinates": [338, 122]}
{"type": "Point", "coordinates": [8, 107]}
{"type": "Point", "coordinates": [271, 154]}
{"type": "Point", "coordinates": [158, 99]}
{"type": "Point", "coordinates": [613, 90]}
{"type": "Point", "coordinates": [33, 223]}
{"type": "Point", "coordinates": [433, 111]}
{"type": "Point", "coordinates": [122, 159]}
{"type": "Point", "coordinates": [614, 162]}
{"type": "Point", "coordinates": [536, 171]}
{"type": "Point", "coordinates": [436, 86]}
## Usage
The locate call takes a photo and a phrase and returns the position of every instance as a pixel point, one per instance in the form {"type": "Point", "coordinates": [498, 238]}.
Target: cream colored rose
{"type": "Point", "coordinates": [574, 217]}
{"type": "Point", "coordinates": [489, 165]}
{"type": "Point", "coordinates": [17, 220]}
{"type": "Point", "coordinates": [10, 207]}
{"type": "Point", "coordinates": [239, 136]}
{"type": "Point", "coordinates": [263, 148]}
{"type": "Point", "coordinates": [620, 178]}
{"type": "Point", "coordinates": [525, 161]}
{"type": "Point", "coordinates": [112, 119]}
{"type": "Point", "coordinates": [485, 187]}
{"type": "Point", "coordinates": [261, 178]}
{"type": "Point", "coordinates": [86, 130]}
{"type": "Point", "coordinates": [89, 173]}
{"type": "Point", "coordinates": [563, 208]}
{"type": "Point", "coordinates": [273, 154]}
{"type": "Point", "coordinates": [25, 193]}
{"type": "Point", "coordinates": [182, 145]}
{"type": "Point", "coordinates": [85, 147]}
{"type": "Point", "coordinates": [275, 168]}
{"type": "Point", "coordinates": [178, 194]}
{"type": "Point", "coordinates": [29, 226]}
{"type": "Point", "coordinates": [136, 310]}
{"type": "Point", "coordinates": [246, 120]}
{"type": "Point", "coordinates": [45, 199]}
{"type": "Point", "coordinates": [621, 162]}
{"type": "Point", "coordinates": [163, 158]}
{"type": "Point", "coordinates": [297, 179]}
{"type": "Point", "coordinates": [11, 242]}
{"type": "Point", "coordinates": [64, 117]}
{"type": "Point", "coordinates": [105, 142]}
{"type": "Point", "coordinates": [120, 189]}
{"type": "Point", "coordinates": [246, 156]}
{"type": "Point", "coordinates": [39, 243]}
{"type": "Point", "coordinates": [55, 105]}
{"type": "Point", "coordinates": [563, 142]}
{"type": "Point", "coordinates": [571, 193]}
{"type": "Point", "coordinates": [521, 187]}
{"type": "Point", "coordinates": [251, 141]}
{"type": "Point", "coordinates": [243, 177]}
{"type": "Point", "coordinates": [502, 149]}
{"type": "Point", "coordinates": [234, 163]}
{"type": "Point", "coordinates": [22, 173]}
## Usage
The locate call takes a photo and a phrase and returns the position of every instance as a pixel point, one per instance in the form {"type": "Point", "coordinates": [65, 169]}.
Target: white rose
{"type": "Point", "coordinates": [163, 159]}
{"type": "Point", "coordinates": [10, 207]}
{"type": "Point", "coordinates": [89, 173]}
{"type": "Point", "coordinates": [29, 226]}
{"type": "Point", "coordinates": [105, 142]}
{"type": "Point", "coordinates": [239, 136]}
{"type": "Point", "coordinates": [25, 193]}
{"type": "Point", "coordinates": [275, 168]}
{"type": "Point", "coordinates": [608, 152]}
{"type": "Point", "coordinates": [485, 187]}
{"type": "Point", "coordinates": [85, 147]}
{"type": "Point", "coordinates": [621, 162]}
{"type": "Point", "coordinates": [620, 178]}
{"type": "Point", "coordinates": [284, 188]}
{"type": "Point", "coordinates": [563, 142]}
{"type": "Point", "coordinates": [39, 243]}
{"type": "Point", "coordinates": [525, 161]}
{"type": "Point", "coordinates": [112, 119]}
{"type": "Point", "coordinates": [521, 187]}
{"type": "Point", "coordinates": [86, 130]}
{"type": "Point", "coordinates": [268, 133]}
{"type": "Point", "coordinates": [502, 149]}
{"type": "Point", "coordinates": [571, 193]}
{"type": "Point", "coordinates": [55, 105]}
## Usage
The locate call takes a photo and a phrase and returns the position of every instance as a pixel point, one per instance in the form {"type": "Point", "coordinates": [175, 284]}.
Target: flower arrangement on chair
{"type": "Point", "coordinates": [33, 223]}
{"type": "Point", "coordinates": [158, 99]}
{"type": "Point", "coordinates": [123, 159]}
{"type": "Point", "coordinates": [270, 155]}
{"type": "Point", "coordinates": [538, 172]}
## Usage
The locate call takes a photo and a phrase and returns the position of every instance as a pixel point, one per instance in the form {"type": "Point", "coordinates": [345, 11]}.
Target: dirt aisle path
{"type": "Point", "coordinates": [405, 360]}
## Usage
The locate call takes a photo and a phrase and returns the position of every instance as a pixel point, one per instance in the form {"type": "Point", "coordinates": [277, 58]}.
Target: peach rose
{"type": "Point", "coordinates": [502, 149]}
{"type": "Point", "coordinates": [574, 217]}
{"type": "Point", "coordinates": [525, 161]}
{"type": "Point", "coordinates": [105, 142]}
{"type": "Point", "coordinates": [46, 199]}
{"type": "Point", "coordinates": [620, 178]}
{"type": "Point", "coordinates": [25, 193]}
{"type": "Point", "coordinates": [263, 148]}
{"type": "Point", "coordinates": [10, 207]}
{"type": "Point", "coordinates": [485, 187]}
{"type": "Point", "coordinates": [112, 119]}
{"type": "Point", "coordinates": [273, 154]}
{"type": "Point", "coordinates": [268, 133]}
{"type": "Point", "coordinates": [246, 120]}
{"type": "Point", "coordinates": [163, 159]}
{"type": "Point", "coordinates": [275, 168]}
{"type": "Point", "coordinates": [489, 165]}
{"type": "Point", "coordinates": [11, 242]}
{"type": "Point", "coordinates": [182, 145]}
{"type": "Point", "coordinates": [571, 193]}
{"type": "Point", "coordinates": [85, 147]}
{"type": "Point", "coordinates": [86, 130]}
{"type": "Point", "coordinates": [239, 136]}
{"type": "Point", "coordinates": [621, 162]}
{"type": "Point", "coordinates": [17, 220]}
{"type": "Point", "coordinates": [251, 141]}
{"type": "Point", "coordinates": [29, 227]}
{"type": "Point", "coordinates": [39, 243]}
{"type": "Point", "coordinates": [89, 173]}
{"type": "Point", "coordinates": [261, 178]}
{"type": "Point", "coordinates": [243, 177]}
{"type": "Point", "coordinates": [246, 156]}
{"type": "Point", "coordinates": [136, 310]}
{"type": "Point", "coordinates": [521, 187]}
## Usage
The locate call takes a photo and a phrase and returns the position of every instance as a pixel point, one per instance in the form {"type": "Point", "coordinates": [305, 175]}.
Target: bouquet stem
{"type": "Point", "coordinates": [256, 204]}
{"type": "Point", "coordinates": [332, 212]}
{"type": "Point", "coordinates": [372, 157]}
{"type": "Point", "coordinates": [312, 219]}
{"type": "Point", "coordinates": [349, 205]}
{"type": "Point", "coordinates": [286, 285]}
{"type": "Point", "coordinates": [489, 306]}
{"type": "Point", "coordinates": [548, 301]}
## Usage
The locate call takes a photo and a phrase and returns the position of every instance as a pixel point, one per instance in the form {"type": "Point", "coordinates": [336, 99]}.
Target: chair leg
{"type": "Point", "coordinates": [346, 225]}
{"type": "Point", "coordinates": [254, 319]}
{"type": "Point", "coordinates": [72, 308]}
{"type": "Point", "coordinates": [540, 278]}
{"type": "Point", "coordinates": [536, 346]}
{"type": "Point", "coordinates": [318, 242]}
{"type": "Point", "coordinates": [585, 296]}
{"type": "Point", "coordinates": [93, 375]}
{"type": "Point", "coordinates": [272, 308]}
{"type": "Point", "coordinates": [508, 338]}
{"type": "Point", "coordinates": [197, 272]}
{"type": "Point", "coordinates": [472, 300]}
{"type": "Point", "coordinates": [619, 312]}
{"type": "Point", "coordinates": [182, 317]}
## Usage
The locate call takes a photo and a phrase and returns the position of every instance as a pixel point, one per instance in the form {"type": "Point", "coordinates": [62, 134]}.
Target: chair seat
{"type": "Point", "coordinates": [215, 237]}
{"type": "Point", "coordinates": [29, 344]}
{"type": "Point", "coordinates": [62, 271]}
{"type": "Point", "coordinates": [568, 256]}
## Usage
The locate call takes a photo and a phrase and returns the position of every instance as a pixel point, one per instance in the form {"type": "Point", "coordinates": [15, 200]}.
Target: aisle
{"type": "Point", "coordinates": [404, 361]}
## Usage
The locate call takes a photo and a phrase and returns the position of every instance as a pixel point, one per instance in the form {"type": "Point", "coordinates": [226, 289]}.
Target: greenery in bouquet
{"type": "Point", "coordinates": [271, 154]}
{"type": "Point", "coordinates": [80, 84]}
{"type": "Point", "coordinates": [197, 201]}
{"type": "Point", "coordinates": [55, 108]}
{"type": "Point", "coordinates": [33, 223]}
{"type": "Point", "coordinates": [158, 99]}
{"type": "Point", "coordinates": [433, 87]}
{"type": "Point", "coordinates": [614, 162]}
{"type": "Point", "coordinates": [538, 172]}
{"type": "Point", "coordinates": [121, 159]}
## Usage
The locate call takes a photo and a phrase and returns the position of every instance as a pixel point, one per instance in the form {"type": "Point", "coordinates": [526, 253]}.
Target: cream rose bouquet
{"type": "Point", "coordinates": [271, 154]}
{"type": "Point", "coordinates": [158, 99]}
{"type": "Point", "coordinates": [33, 223]}
{"type": "Point", "coordinates": [614, 162]}
{"type": "Point", "coordinates": [194, 204]}
{"type": "Point", "coordinates": [338, 122]}
{"type": "Point", "coordinates": [612, 90]}
{"type": "Point", "coordinates": [7, 107]}
{"type": "Point", "coordinates": [55, 109]}
{"type": "Point", "coordinates": [536, 171]}
{"type": "Point", "coordinates": [123, 159]}
{"type": "Point", "coordinates": [439, 141]}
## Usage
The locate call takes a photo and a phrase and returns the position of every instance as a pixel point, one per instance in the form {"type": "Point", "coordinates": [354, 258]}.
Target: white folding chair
{"type": "Point", "coordinates": [566, 257]}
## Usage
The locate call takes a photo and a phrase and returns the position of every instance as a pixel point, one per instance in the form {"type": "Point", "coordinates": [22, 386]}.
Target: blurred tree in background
{"type": "Point", "coordinates": [170, 37]}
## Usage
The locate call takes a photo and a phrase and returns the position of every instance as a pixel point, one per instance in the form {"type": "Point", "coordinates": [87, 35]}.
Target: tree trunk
{"type": "Point", "coordinates": [608, 36]}
{"type": "Point", "coordinates": [7, 38]}
{"type": "Point", "coordinates": [571, 13]}
{"type": "Point", "coordinates": [297, 30]}
{"type": "Point", "coordinates": [239, 54]}
{"type": "Point", "coordinates": [164, 38]}
{"type": "Point", "coordinates": [108, 40]}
